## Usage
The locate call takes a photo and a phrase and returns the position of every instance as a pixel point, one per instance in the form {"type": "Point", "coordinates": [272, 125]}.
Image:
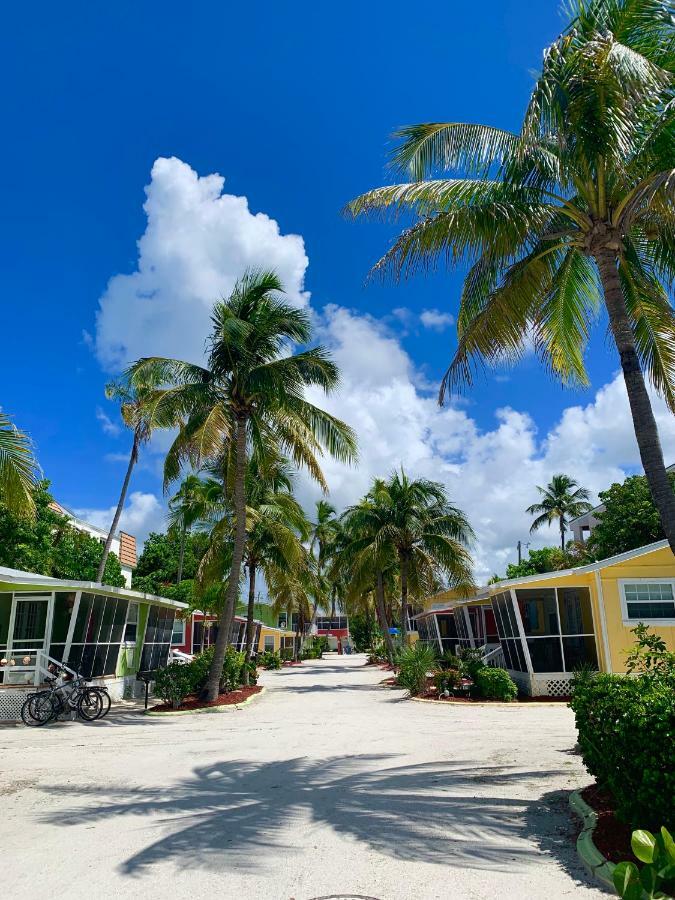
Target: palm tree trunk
{"type": "Point", "coordinates": [644, 422]}
{"type": "Point", "coordinates": [332, 604]}
{"type": "Point", "coordinates": [382, 616]}
{"type": "Point", "coordinates": [249, 619]}
{"type": "Point", "coordinates": [227, 614]}
{"type": "Point", "coordinates": [562, 534]}
{"type": "Point", "coordinates": [181, 556]}
{"type": "Point", "coordinates": [404, 600]}
{"type": "Point", "coordinates": [118, 512]}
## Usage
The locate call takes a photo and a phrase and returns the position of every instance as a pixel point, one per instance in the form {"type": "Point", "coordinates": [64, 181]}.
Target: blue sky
{"type": "Point", "coordinates": [292, 105]}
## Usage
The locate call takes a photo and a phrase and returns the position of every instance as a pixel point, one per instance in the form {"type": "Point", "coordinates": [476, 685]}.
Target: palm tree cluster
{"type": "Point", "coordinates": [403, 538]}
{"type": "Point", "coordinates": [573, 213]}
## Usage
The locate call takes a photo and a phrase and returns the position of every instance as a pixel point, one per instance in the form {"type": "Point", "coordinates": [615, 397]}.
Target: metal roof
{"type": "Point", "coordinates": [15, 579]}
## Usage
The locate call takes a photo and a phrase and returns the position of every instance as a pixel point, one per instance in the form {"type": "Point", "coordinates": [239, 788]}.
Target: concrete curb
{"type": "Point", "coordinates": [594, 862]}
{"type": "Point", "coordinates": [513, 703]}
{"type": "Point", "coordinates": [207, 709]}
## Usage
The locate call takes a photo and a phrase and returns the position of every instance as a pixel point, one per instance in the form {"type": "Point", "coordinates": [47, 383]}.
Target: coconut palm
{"type": "Point", "coordinates": [573, 212]}
{"type": "Point", "coordinates": [322, 537]}
{"type": "Point", "coordinates": [142, 419]}
{"type": "Point", "coordinates": [364, 560]}
{"type": "Point", "coordinates": [195, 501]}
{"type": "Point", "coordinates": [18, 469]}
{"type": "Point", "coordinates": [561, 499]}
{"type": "Point", "coordinates": [294, 592]}
{"type": "Point", "coordinates": [248, 399]}
{"type": "Point", "coordinates": [412, 520]}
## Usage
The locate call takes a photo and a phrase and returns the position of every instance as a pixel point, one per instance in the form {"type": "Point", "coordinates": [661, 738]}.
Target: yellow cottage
{"type": "Point", "coordinates": [543, 627]}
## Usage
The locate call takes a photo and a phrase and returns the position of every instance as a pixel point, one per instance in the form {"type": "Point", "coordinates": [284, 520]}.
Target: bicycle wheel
{"type": "Point", "coordinates": [39, 709]}
{"type": "Point", "coordinates": [105, 698]}
{"type": "Point", "coordinates": [90, 706]}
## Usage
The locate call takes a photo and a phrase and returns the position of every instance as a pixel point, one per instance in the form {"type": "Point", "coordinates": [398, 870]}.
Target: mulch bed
{"type": "Point", "coordinates": [291, 662]}
{"type": "Point", "coordinates": [433, 695]}
{"type": "Point", "coordinates": [193, 702]}
{"type": "Point", "coordinates": [611, 837]}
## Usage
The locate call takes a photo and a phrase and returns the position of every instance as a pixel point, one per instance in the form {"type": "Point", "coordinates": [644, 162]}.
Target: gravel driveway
{"type": "Point", "coordinates": [328, 784]}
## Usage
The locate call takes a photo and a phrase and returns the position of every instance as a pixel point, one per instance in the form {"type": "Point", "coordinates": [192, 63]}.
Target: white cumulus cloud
{"type": "Point", "coordinates": [435, 319]}
{"type": "Point", "coordinates": [197, 242]}
{"type": "Point", "coordinates": [142, 513]}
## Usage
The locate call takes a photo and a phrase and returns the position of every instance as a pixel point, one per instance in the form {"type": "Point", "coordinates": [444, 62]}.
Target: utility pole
{"type": "Point", "coordinates": [519, 546]}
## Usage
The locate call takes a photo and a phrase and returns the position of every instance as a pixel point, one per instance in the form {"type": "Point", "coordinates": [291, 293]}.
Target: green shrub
{"type": "Point", "coordinates": [626, 736]}
{"type": "Point", "coordinates": [199, 667]}
{"type": "Point", "coordinates": [287, 653]}
{"type": "Point", "coordinates": [233, 667]}
{"type": "Point", "coordinates": [269, 660]}
{"type": "Point", "coordinates": [447, 680]}
{"type": "Point", "coordinates": [471, 659]}
{"type": "Point", "coordinates": [496, 684]}
{"type": "Point", "coordinates": [449, 661]}
{"type": "Point", "coordinates": [656, 878]}
{"type": "Point", "coordinates": [414, 665]}
{"type": "Point", "coordinates": [174, 683]}
{"type": "Point", "coordinates": [363, 630]}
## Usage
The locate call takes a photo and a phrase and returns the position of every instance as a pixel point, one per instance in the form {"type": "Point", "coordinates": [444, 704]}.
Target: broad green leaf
{"type": "Point", "coordinates": [643, 844]}
{"type": "Point", "coordinates": [626, 880]}
{"type": "Point", "coordinates": [668, 843]}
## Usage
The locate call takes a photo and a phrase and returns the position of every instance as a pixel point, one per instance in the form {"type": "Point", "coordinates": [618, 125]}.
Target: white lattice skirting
{"type": "Point", "coordinates": [557, 686]}
{"type": "Point", "coordinates": [11, 701]}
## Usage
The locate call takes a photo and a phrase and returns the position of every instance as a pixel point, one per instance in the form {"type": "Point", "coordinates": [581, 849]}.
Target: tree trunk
{"type": "Point", "coordinates": [382, 616]}
{"type": "Point", "coordinates": [644, 422]}
{"type": "Point", "coordinates": [227, 613]}
{"type": "Point", "coordinates": [181, 556]}
{"type": "Point", "coordinates": [562, 535]}
{"type": "Point", "coordinates": [118, 512]}
{"type": "Point", "coordinates": [404, 600]}
{"type": "Point", "coordinates": [332, 604]}
{"type": "Point", "coordinates": [249, 620]}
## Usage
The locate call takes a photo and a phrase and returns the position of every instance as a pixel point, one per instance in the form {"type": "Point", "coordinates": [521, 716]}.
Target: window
{"type": "Point", "coordinates": [157, 638]}
{"type": "Point", "coordinates": [178, 634]}
{"type": "Point", "coordinates": [645, 601]}
{"type": "Point", "coordinates": [269, 643]}
{"type": "Point", "coordinates": [131, 628]}
{"type": "Point", "coordinates": [97, 635]}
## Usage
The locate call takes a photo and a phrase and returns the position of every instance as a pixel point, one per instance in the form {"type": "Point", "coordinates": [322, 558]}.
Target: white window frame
{"type": "Point", "coordinates": [127, 645]}
{"type": "Point", "coordinates": [180, 643]}
{"type": "Point", "coordinates": [624, 603]}
{"type": "Point", "coordinates": [266, 638]}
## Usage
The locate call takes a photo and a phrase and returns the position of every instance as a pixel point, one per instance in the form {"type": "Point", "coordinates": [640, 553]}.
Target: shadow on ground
{"type": "Point", "coordinates": [236, 813]}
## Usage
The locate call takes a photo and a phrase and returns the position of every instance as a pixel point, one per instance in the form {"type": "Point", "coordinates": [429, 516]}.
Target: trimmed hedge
{"type": "Point", "coordinates": [627, 741]}
{"type": "Point", "coordinates": [496, 684]}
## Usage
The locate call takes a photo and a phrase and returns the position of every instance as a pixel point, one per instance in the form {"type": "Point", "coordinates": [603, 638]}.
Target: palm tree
{"type": "Point", "coordinates": [364, 560]}
{"type": "Point", "coordinates": [193, 502]}
{"type": "Point", "coordinates": [248, 399]}
{"type": "Point", "coordinates": [322, 536]}
{"type": "Point", "coordinates": [17, 469]}
{"type": "Point", "coordinates": [428, 534]}
{"type": "Point", "coordinates": [561, 499]}
{"type": "Point", "coordinates": [574, 211]}
{"type": "Point", "coordinates": [142, 419]}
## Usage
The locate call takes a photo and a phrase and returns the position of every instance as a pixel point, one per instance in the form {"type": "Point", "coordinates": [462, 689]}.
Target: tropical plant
{"type": "Point", "coordinates": [269, 659]}
{"type": "Point", "coordinates": [415, 664]}
{"type": "Point", "coordinates": [18, 469]}
{"type": "Point", "coordinates": [195, 501]}
{"type": "Point", "coordinates": [157, 569]}
{"type": "Point", "coordinates": [656, 878]}
{"type": "Point", "coordinates": [574, 210]}
{"type": "Point", "coordinates": [363, 630]}
{"type": "Point", "coordinates": [561, 499]}
{"type": "Point", "coordinates": [496, 684]}
{"type": "Point", "coordinates": [427, 533]}
{"type": "Point", "coordinates": [173, 683]}
{"type": "Point", "coordinates": [323, 538]}
{"type": "Point", "coordinates": [650, 655]}
{"type": "Point", "coordinates": [142, 418]}
{"type": "Point", "coordinates": [248, 400]}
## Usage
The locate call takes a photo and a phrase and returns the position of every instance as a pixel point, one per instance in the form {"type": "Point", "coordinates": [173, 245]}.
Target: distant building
{"type": "Point", "coordinates": [123, 544]}
{"type": "Point", "coordinates": [583, 525]}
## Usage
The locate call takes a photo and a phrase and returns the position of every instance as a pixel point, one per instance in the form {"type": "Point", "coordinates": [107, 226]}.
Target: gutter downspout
{"type": "Point", "coordinates": [603, 622]}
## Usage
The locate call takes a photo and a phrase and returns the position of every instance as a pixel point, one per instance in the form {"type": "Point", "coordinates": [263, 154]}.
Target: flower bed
{"type": "Point", "coordinates": [610, 836]}
{"type": "Point", "coordinates": [193, 703]}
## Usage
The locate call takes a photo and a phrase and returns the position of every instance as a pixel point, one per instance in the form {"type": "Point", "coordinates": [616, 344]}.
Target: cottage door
{"type": "Point", "coordinates": [28, 633]}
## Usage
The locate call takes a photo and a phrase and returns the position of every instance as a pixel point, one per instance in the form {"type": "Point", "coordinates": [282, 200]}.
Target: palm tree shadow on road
{"type": "Point", "coordinates": [239, 814]}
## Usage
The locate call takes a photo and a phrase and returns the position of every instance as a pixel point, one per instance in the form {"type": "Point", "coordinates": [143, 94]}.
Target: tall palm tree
{"type": "Point", "coordinates": [248, 399]}
{"type": "Point", "coordinates": [142, 419]}
{"type": "Point", "coordinates": [18, 469]}
{"type": "Point", "coordinates": [573, 212]}
{"type": "Point", "coordinates": [192, 503]}
{"type": "Point", "coordinates": [561, 499]}
{"type": "Point", "coordinates": [322, 536]}
{"type": "Point", "coordinates": [364, 560]}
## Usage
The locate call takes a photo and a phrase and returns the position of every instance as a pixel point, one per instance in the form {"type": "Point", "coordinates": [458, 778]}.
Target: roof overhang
{"type": "Point", "coordinates": [16, 580]}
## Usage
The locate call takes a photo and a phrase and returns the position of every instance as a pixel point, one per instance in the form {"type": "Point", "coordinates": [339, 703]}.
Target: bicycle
{"type": "Point", "coordinates": [90, 702]}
